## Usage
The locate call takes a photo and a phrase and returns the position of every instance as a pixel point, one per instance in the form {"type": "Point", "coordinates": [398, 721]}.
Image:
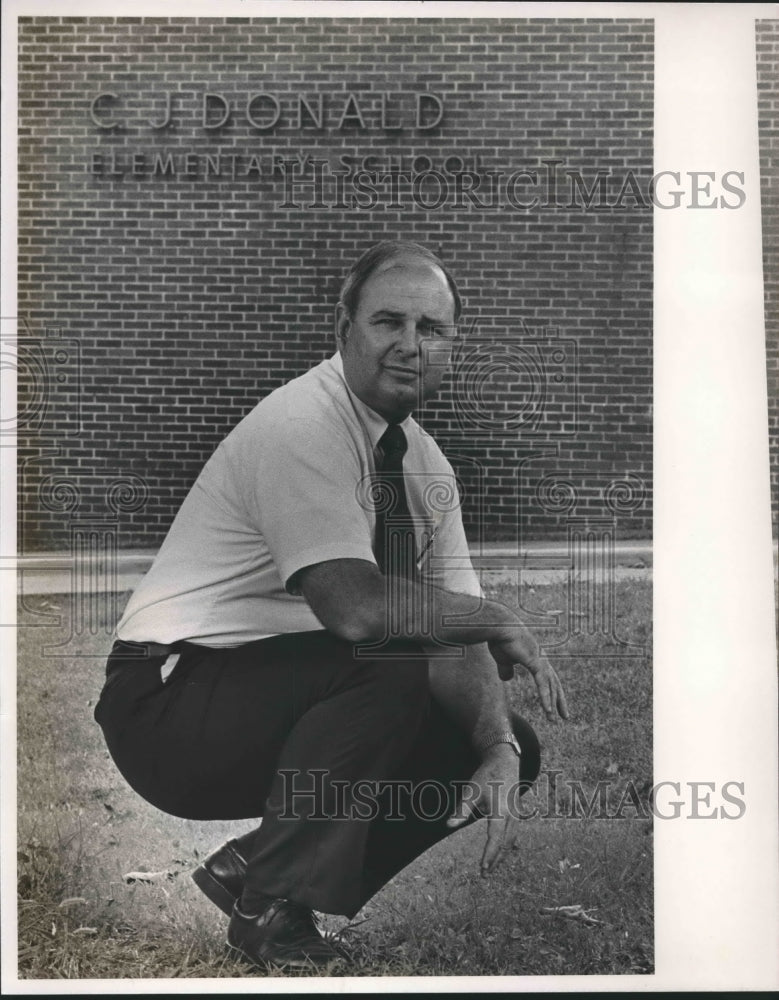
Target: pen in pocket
{"type": "Point", "coordinates": [426, 547]}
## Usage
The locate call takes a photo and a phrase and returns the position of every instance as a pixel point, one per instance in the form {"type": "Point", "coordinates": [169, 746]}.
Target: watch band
{"type": "Point", "coordinates": [503, 737]}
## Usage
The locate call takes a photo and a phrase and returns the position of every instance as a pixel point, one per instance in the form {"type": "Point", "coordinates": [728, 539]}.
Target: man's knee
{"type": "Point", "coordinates": [402, 679]}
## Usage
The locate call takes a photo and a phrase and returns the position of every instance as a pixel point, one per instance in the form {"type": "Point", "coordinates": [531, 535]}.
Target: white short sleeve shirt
{"type": "Point", "coordinates": [288, 488]}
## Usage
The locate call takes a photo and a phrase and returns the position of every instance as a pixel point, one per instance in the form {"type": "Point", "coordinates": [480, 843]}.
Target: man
{"type": "Point", "coordinates": [312, 628]}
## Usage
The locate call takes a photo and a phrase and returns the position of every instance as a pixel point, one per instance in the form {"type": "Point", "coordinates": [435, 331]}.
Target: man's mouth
{"type": "Point", "coordinates": [400, 371]}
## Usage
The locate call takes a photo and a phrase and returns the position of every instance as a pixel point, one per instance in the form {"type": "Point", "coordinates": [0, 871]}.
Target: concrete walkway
{"type": "Point", "coordinates": [535, 562]}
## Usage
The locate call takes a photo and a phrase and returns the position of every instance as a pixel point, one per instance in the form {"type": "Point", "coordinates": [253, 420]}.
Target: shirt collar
{"type": "Point", "coordinates": [373, 422]}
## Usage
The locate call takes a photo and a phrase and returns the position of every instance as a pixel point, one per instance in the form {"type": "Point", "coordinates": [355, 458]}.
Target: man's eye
{"type": "Point", "coordinates": [438, 331]}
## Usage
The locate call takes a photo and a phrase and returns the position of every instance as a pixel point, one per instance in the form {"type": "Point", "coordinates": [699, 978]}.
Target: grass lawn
{"type": "Point", "coordinates": [81, 830]}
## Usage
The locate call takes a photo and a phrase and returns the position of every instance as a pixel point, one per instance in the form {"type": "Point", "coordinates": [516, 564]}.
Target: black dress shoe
{"type": "Point", "coordinates": [222, 875]}
{"type": "Point", "coordinates": [284, 934]}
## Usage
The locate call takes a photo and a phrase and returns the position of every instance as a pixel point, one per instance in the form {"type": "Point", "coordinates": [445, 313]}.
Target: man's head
{"type": "Point", "coordinates": [395, 324]}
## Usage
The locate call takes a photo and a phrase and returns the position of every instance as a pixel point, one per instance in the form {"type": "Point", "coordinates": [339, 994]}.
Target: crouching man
{"type": "Point", "coordinates": [312, 626]}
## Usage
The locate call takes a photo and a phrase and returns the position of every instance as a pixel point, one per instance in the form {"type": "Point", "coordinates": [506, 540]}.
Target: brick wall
{"type": "Point", "coordinates": [160, 299]}
{"type": "Point", "coordinates": [767, 33]}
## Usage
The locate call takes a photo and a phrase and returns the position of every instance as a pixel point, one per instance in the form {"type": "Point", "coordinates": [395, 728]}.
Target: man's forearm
{"type": "Point", "coordinates": [354, 601]}
{"type": "Point", "coordinates": [429, 614]}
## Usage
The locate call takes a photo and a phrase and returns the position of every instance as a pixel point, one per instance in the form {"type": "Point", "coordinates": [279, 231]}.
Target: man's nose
{"type": "Point", "coordinates": [410, 338]}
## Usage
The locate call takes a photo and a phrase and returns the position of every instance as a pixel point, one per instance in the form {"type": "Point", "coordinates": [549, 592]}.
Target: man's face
{"type": "Point", "coordinates": [396, 346]}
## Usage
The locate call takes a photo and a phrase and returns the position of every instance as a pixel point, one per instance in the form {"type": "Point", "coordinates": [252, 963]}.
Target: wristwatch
{"type": "Point", "coordinates": [505, 737]}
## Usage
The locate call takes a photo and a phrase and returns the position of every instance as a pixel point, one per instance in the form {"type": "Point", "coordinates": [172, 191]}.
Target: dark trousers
{"type": "Point", "coordinates": [349, 761]}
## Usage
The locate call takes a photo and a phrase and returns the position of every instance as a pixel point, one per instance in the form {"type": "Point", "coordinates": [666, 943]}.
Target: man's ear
{"type": "Point", "coordinates": [342, 325]}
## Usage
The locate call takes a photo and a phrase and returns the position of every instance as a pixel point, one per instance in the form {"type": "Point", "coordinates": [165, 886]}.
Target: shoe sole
{"type": "Point", "coordinates": [215, 891]}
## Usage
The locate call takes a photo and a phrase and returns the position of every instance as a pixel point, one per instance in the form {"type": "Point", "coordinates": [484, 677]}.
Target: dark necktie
{"type": "Point", "coordinates": [395, 546]}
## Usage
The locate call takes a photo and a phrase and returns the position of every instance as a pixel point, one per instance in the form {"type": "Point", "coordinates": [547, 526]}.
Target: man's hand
{"type": "Point", "coordinates": [511, 650]}
{"type": "Point", "coordinates": [493, 789]}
